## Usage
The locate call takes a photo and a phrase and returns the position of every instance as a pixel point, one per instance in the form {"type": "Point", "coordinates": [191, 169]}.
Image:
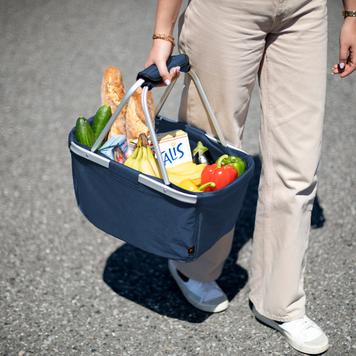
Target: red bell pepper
{"type": "Point", "coordinates": [218, 174]}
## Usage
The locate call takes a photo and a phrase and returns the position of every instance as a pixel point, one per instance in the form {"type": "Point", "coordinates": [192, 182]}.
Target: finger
{"type": "Point", "coordinates": [163, 71]}
{"type": "Point", "coordinates": [177, 73]}
{"type": "Point", "coordinates": [349, 68]}
{"type": "Point", "coordinates": [335, 69]}
{"type": "Point", "coordinates": [343, 55]}
{"type": "Point", "coordinates": [174, 72]}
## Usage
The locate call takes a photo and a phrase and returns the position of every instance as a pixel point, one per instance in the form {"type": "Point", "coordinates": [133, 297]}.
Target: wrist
{"type": "Point", "coordinates": [350, 20]}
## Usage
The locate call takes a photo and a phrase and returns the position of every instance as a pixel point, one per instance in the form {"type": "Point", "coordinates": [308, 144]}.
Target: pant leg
{"type": "Point", "coordinates": [292, 83]}
{"type": "Point", "coordinates": [225, 42]}
{"type": "Point", "coordinates": [208, 266]}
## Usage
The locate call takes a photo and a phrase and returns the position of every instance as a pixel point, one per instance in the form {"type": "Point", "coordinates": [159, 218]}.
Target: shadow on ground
{"type": "Point", "coordinates": [144, 278]}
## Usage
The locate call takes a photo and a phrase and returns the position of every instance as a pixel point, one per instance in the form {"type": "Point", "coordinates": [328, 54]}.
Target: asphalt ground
{"type": "Point", "coordinates": [66, 288]}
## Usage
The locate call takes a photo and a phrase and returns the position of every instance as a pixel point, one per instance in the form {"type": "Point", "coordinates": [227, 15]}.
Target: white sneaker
{"type": "Point", "coordinates": [302, 334]}
{"type": "Point", "coordinates": [206, 296]}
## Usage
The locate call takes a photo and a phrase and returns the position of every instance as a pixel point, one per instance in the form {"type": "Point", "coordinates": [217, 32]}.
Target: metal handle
{"type": "Point", "coordinates": [203, 98]}
{"type": "Point", "coordinates": [153, 136]}
{"type": "Point", "coordinates": [208, 107]}
{"type": "Point", "coordinates": [164, 97]}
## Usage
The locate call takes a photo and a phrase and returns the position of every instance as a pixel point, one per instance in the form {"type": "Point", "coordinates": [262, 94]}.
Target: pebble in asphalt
{"type": "Point", "coordinates": [66, 288]}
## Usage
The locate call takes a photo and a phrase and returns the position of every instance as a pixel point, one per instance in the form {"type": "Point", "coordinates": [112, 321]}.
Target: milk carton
{"type": "Point", "coordinates": [174, 147]}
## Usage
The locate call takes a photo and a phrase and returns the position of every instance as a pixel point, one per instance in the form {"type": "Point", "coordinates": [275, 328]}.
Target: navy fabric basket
{"type": "Point", "coordinates": [148, 212]}
{"type": "Point", "coordinates": [117, 203]}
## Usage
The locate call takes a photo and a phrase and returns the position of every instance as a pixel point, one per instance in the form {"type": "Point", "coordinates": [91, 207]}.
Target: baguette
{"type": "Point", "coordinates": [135, 119]}
{"type": "Point", "coordinates": [112, 92]}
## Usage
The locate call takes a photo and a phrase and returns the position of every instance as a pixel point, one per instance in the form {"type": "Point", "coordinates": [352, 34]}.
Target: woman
{"type": "Point", "coordinates": [283, 43]}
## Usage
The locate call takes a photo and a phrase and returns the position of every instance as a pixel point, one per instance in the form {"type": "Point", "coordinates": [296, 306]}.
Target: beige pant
{"type": "Point", "coordinates": [283, 43]}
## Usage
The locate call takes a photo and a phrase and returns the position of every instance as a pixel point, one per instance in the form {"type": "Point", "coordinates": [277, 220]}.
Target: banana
{"type": "Point", "coordinates": [153, 162]}
{"type": "Point", "coordinates": [137, 160]}
{"type": "Point", "coordinates": [145, 165]}
{"type": "Point", "coordinates": [132, 161]}
{"type": "Point", "coordinates": [148, 163]}
{"type": "Point", "coordinates": [134, 153]}
{"type": "Point", "coordinates": [142, 158]}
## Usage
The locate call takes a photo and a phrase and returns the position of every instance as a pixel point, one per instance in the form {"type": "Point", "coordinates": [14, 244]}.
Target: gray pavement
{"type": "Point", "coordinates": [66, 288]}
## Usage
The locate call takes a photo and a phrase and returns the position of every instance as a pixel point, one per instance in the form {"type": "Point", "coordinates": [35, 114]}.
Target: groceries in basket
{"type": "Point", "coordinates": [201, 154]}
{"type": "Point", "coordinates": [85, 133]}
{"type": "Point", "coordinates": [188, 184]}
{"type": "Point", "coordinates": [115, 148]}
{"type": "Point", "coordinates": [101, 118]}
{"type": "Point", "coordinates": [143, 159]}
{"type": "Point", "coordinates": [187, 170]}
{"type": "Point", "coordinates": [236, 162]}
{"type": "Point", "coordinates": [112, 92]}
{"type": "Point", "coordinates": [221, 175]}
{"type": "Point", "coordinates": [128, 142]}
{"type": "Point", "coordinates": [174, 147]}
{"type": "Point", "coordinates": [200, 177]}
{"type": "Point", "coordinates": [131, 120]}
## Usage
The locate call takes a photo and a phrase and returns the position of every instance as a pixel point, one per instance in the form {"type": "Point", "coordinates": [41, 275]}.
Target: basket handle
{"type": "Point", "coordinates": [151, 74]}
{"type": "Point", "coordinates": [152, 78]}
{"type": "Point", "coordinates": [148, 84]}
{"type": "Point", "coordinates": [148, 79]}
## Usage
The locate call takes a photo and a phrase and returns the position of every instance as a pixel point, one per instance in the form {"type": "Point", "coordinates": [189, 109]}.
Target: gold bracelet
{"type": "Point", "coordinates": [162, 36]}
{"type": "Point", "coordinates": [347, 13]}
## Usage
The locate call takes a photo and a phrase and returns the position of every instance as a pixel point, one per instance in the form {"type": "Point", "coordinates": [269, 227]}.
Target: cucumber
{"type": "Point", "coordinates": [83, 132]}
{"type": "Point", "coordinates": [101, 118]}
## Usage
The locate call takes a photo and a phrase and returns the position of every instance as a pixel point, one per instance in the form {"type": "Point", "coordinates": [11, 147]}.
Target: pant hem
{"type": "Point", "coordinates": [275, 317]}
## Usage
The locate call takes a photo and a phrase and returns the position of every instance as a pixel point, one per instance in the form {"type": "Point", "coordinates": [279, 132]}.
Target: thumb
{"type": "Point", "coordinates": [163, 71]}
{"type": "Point", "coordinates": [343, 55]}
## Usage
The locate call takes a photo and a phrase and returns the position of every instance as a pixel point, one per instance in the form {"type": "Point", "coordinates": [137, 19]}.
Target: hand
{"type": "Point", "coordinates": [347, 54]}
{"type": "Point", "coordinates": [160, 52]}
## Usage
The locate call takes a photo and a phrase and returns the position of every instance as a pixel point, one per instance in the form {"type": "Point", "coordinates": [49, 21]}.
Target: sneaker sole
{"type": "Point", "coordinates": [204, 307]}
{"type": "Point", "coordinates": [298, 347]}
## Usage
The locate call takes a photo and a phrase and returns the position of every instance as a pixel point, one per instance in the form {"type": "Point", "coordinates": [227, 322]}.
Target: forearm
{"type": "Point", "coordinates": [349, 5]}
{"type": "Point", "coordinates": [347, 62]}
{"type": "Point", "coordinates": [166, 15]}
